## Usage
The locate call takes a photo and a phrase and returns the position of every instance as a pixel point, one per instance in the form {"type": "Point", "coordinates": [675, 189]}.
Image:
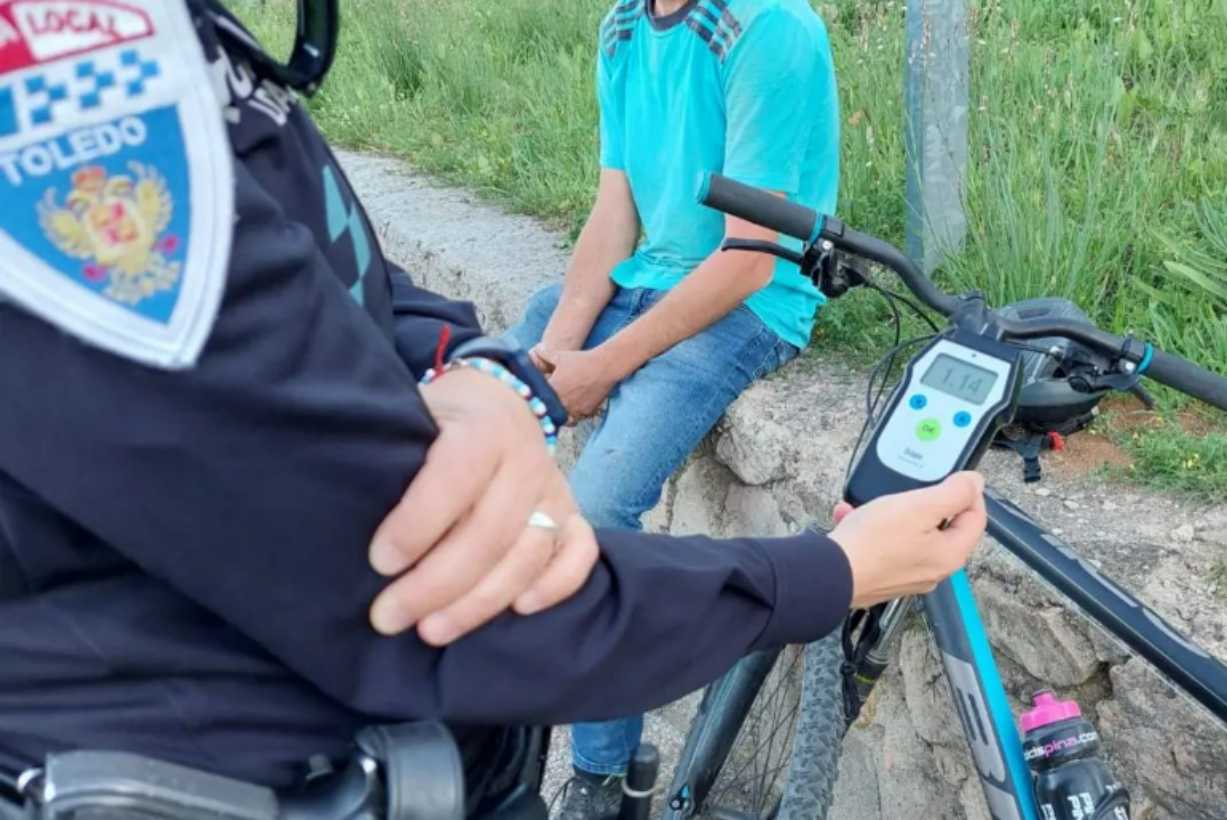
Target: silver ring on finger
{"type": "Point", "coordinates": [542, 521]}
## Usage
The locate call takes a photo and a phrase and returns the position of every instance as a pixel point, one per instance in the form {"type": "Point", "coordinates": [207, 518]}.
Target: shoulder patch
{"type": "Point", "coordinates": [115, 173]}
{"type": "Point", "coordinates": [716, 24]}
{"type": "Point", "coordinates": [619, 25]}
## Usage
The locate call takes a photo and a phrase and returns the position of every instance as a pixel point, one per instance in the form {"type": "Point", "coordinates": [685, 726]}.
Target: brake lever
{"type": "Point", "coordinates": [759, 246]}
{"type": "Point", "coordinates": [831, 272]}
{"type": "Point", "coordinates": [1119, 380]}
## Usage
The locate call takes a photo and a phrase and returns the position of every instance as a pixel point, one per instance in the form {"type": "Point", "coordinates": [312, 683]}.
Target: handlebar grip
{"type": "Point", "coordinates": [1191, 379]}
{"type": "Point", "coordinates": [766, 209]}
{"type": "Point", "coordinates": [760, 207]}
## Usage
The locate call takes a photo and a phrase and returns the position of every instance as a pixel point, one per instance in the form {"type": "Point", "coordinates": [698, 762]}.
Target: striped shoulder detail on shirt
{"type": "Point", "coordinates": [619, 25]}
{"type": "Point", "coordinates": [714, 22]}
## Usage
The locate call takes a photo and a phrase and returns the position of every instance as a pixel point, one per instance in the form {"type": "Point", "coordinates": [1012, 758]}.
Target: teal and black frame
{"type": "Point", "coordinates": [979, 699]}
{"type": "Point", "coordinates": [971, 671]}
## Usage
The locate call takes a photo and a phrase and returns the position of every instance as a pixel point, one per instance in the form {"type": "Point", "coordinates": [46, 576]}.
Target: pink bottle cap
{"type": "Point", "coordinates": [1048, 710]}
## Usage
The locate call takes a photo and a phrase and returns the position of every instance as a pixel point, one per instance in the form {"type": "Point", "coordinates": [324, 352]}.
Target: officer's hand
{"type": "Point", "coordinates": [459, 538]}
{"type": "Point", "coordinates": [895, 545]}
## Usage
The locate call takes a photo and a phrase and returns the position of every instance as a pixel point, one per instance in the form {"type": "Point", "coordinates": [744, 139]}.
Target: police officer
{"type": "Point", "coordinates": [210, 401]}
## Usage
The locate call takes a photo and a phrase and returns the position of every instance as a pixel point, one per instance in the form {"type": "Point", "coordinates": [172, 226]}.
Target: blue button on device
{"type": "Point", "coordinates": [962, 418]}
{"type": "Point", "coordinates": [918, 401]}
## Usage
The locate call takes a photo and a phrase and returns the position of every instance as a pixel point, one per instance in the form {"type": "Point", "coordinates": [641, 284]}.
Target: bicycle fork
{"type": "Point", "coordinates": [867, 655]}
{"type": "Point", "coordinates": [730, 699]}
{"type": "Point", "coordinates": [975, 685]}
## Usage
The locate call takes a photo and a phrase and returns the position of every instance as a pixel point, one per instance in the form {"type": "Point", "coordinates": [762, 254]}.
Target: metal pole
{"type": "Point", "coordinates": [936, 100]}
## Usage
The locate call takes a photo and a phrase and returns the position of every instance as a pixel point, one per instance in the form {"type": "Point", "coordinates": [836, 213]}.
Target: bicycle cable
{"type": "Point", "coordinates": [899, 297]}
{"type": "Point", "coordinates": [894, 309]}
{"type": "Point", "coordinates": [882, 368]}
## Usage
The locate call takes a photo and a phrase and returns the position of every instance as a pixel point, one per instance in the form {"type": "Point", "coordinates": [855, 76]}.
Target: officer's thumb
{"type": "Point", "coordinates": [959, 493]}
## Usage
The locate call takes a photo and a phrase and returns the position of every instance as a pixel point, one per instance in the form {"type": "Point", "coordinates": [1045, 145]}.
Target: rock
{"type": "Point", "coordinates": [1070, 504]}
{"type": "Point", "coordinates": [1184, 533]}
{"type": "Point", "coordinates": [1163, 746]}
{"type": "Point", "coordinates": [1037, 634]}
{"type": "Point", "coordinates": [971, 798]}
{"type": "Point", "coordinates": [1043, 492]}
{"type": "Point", "coordinates": [1109, 506]}
{"type": "Point", "coordinates": [698, 499]}
{"type": "Point", "coordinates": [856, 791]}
{"type": "Point", "coordinates": [657, 519]}
{"type": "Point", "coordinates": [749, 444]}
{"type": "Point", "coordinates": [925, 692]}
{"type": "Point", "coordinates": [909, 784]}
{"type": "Point", "coordinates": [753, 511]}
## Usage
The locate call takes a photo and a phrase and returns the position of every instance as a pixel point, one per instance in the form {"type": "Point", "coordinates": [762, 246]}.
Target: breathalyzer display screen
{"type": "Point", "coordinates": [957, 378]}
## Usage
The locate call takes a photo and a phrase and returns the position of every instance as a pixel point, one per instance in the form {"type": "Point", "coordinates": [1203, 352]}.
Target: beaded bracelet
{"type": "Point", "coordinates": [493, 368]}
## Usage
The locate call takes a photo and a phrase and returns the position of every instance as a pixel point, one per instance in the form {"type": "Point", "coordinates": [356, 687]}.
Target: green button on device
{"type": "Point", "coordinates": [928, 430]}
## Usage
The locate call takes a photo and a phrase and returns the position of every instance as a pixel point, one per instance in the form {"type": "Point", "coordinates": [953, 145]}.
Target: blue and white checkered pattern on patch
{"type": "Point", "coordinates": [83, 86]}
{"type": "Point", "coordinates": [8, 112]}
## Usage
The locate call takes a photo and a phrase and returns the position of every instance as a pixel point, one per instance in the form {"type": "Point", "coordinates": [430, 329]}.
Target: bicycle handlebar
{"type": "Point", "coordinates": [789, 218]}
{"type": "Point", "coordinates": [779, 214]}
{"type": "Point", "coordinates": [760, 207]}
{"type": "Point", "coordinates": [1189, 378]}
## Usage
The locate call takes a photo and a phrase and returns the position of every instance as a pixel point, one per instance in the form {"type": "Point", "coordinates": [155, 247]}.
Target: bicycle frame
{"type": "Point", "coordinates": [979, 699]}
{"type": "Point", "coordinates": [988, 723]}
{"type": "Point", "coordinates": [969, 666]}
{"type": "Point", "coordinates": [727, 702]}
{"type": "Point", "coordinates": [975, 684]}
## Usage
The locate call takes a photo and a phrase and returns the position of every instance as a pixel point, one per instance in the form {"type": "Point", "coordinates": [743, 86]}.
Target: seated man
{"type": "Point", "coordinates": [672, 331]}
{"type": "Point", "coordinates": [185, 519]}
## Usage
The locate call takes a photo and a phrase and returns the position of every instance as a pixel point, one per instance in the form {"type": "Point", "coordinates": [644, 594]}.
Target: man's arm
{"type": "Point", "coordinates": [583, 379]}
{"type": "Point", "coordinates": [611, 232]}
{"type": "Point", "coordinates": [609, 236]}
{"type": "Point", "coordinates": [703, 297]}
{"type": "Point", "coordinates": [252, 483]}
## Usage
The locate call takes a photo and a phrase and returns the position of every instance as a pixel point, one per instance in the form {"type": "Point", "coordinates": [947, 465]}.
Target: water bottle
{"type": "Point", "coordinates": [1062, 749]}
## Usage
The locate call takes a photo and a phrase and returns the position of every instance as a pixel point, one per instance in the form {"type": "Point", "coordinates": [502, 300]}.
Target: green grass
{"type": "Point", "coordinates": [496, 96]}
{"type": "Point", "coordinates": [1099, 136]}
{"type": "Point", "coordinates": [1098, 139]}
{"type": "Point", "coordinates": [1170, 458]}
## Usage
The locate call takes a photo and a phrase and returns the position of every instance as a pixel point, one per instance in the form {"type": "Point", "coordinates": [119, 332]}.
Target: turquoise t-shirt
{"type": "Point", "coordinates": [742, 87]}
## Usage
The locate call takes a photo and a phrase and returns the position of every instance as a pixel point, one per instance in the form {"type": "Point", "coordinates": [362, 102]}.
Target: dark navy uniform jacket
{"type": "Point", "coordinates": [183, 554]}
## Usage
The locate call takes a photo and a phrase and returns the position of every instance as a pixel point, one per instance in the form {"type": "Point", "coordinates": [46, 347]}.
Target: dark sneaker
{"type": "Point", "coordinates": [591, 797]}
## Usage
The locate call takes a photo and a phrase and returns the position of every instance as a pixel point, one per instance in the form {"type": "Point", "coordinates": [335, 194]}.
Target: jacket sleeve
{"type": "Point", "coordinates": [419, 317]}
{"type": "Point", "coordinates": [252, 483]}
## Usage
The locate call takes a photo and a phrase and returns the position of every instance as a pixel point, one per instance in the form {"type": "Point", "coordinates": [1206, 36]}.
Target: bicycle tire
{"type": "Point", "coordinates": [814, 768]}
{"type": "Point", "coordinates": [814, 732]}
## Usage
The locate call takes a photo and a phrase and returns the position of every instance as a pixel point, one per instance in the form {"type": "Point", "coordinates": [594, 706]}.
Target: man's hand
{"type": "Point", "coordinates": [539, 354]}
{"type": "Point", "coordinates": [896, 545]}
{"type": "Point", "coordinates": [459, 538]}
{"type": "Point", "coordinates": [582, 379]}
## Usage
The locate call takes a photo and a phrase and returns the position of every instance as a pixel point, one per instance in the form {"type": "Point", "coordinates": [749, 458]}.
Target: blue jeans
{"type": "Point", "coordinates": [654, 419]}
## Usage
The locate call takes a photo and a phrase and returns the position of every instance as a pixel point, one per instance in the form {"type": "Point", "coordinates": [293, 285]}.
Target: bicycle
{"type": "Point", "coordinates": [800, 701]}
